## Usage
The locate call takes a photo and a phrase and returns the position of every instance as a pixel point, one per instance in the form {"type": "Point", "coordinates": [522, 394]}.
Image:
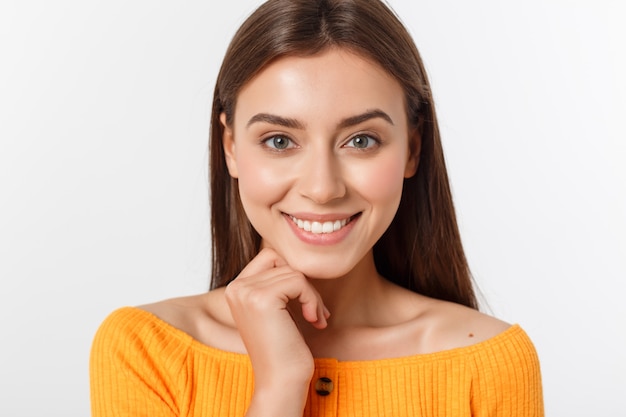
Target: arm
{"type": "Point", "coordinates": [281, 360]}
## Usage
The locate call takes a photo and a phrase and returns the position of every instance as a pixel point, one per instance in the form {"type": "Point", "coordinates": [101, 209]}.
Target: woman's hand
{"type": "Point", "coordinates": [281, 360]}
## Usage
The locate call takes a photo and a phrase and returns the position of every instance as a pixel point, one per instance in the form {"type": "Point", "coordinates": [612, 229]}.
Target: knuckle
{"type": "Point", "coordinates": [230, 292]}
{"type": "Point", "coordinates": [258, 300]}
{"type": "Point", "coordinates": [236, 289]}
{"type": "Point", "coordinates": [232, 287]}
{"type": "Point", "coordinates": [247, 296]}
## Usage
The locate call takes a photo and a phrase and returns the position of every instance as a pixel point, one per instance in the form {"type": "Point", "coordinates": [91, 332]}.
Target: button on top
{"type": "Point", "coordinates": [324, 386]}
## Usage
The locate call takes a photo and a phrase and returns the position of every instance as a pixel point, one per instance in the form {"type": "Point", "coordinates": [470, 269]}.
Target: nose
{"type": "Point", "coordinates": [321, 178]}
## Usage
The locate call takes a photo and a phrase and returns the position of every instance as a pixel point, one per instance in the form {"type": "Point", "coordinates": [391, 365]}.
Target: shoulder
{"type": "Point", "coordinates": [204, 317]}
{"type": "Point", "coordinates": [501, 358]}
{"type": "Point", "coordinates": [128, 331]}
{"type": "Point", "coordinates": [186, 314]}
{"type": "Point", "coordinates": [489, 339]}
{"type": "Point", "coordinates": [506, 375]}
{"type": "Point", "coordinates": [136, 358]}
{"type": "Point", "coordinates": [126, 323]}
{"type": "Point", "coordinates": [184, 318]}
{"type": "Point", "coordinates": [129, 350]}
{"type": "Point", "coordinates": [446, 325]}
{"type": "Point", "coordinates": [136, 340]}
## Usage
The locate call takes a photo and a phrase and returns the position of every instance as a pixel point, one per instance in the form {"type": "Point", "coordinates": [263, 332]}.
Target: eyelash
{"type": "Point", "coordinates": [369, 137]}
{"type": "Point", "coordinates": [268, 142]}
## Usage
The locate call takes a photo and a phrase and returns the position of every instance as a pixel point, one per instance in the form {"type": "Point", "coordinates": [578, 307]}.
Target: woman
{"type": "Point", "coordinates": [340, 286]}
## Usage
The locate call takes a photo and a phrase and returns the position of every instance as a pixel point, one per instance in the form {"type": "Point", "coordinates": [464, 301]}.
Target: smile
{"type": "Point", "coordinates": [320, 227]}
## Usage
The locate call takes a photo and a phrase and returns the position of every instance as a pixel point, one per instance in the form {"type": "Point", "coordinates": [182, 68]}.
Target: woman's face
{"type": "Point", "coordinates": [320, 148]}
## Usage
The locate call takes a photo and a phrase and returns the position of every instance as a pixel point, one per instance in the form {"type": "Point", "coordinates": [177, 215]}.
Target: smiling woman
{"type": "Point", "coordinates": [338, 157]}
{"type": "Point", "coordinates": [336, 253]}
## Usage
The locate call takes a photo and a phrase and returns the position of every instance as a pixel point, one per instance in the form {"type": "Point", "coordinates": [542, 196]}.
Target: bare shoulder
{"type": "Point", "coordinates": [205, 317]}
{"type": "Point", "coordinates": [453, 325]}
{"type": "Point", "coordinates": [184, 313]}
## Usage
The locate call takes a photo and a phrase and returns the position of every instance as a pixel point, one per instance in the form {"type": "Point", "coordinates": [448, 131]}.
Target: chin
{"type": "Point", "coordinates": [317, 269]}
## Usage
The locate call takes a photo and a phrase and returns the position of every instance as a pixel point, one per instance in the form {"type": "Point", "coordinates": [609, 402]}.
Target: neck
{"type": "Point", "coordinates": [356, 299]}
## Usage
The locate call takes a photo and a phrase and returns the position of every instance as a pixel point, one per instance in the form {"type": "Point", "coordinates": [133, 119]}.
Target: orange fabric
{"type": "Point", "coordinates": [141, 366]}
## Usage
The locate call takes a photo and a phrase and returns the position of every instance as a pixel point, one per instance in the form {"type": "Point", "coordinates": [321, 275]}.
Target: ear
{"type": "Point", "coordinates": [228, 143]}
{"type": "Point", "coordinates": [413, 160]}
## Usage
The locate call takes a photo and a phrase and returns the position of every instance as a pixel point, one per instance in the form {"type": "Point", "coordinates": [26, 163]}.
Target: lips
{"type": "Point", "coordinates": [321, 227]}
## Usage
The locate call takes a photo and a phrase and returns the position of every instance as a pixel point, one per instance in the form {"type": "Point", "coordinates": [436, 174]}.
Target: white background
{"type": "Point", "coordinates": [104, 110]}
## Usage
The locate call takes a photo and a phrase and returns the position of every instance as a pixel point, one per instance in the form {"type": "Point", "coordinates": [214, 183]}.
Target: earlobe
{"type": "Point", "coordinates": [228, 143]}
{"type": "Point", "coordinates": [415, 147]}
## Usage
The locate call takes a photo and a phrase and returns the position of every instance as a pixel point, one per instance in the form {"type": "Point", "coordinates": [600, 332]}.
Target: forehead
{"type": "Point", "coordinates": [335, 83]}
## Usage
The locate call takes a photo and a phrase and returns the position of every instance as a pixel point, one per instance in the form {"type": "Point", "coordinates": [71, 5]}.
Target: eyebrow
{"type": "Point", "coordinates": [276, 120]}
{"type": "Point", "coordinates": [296, 124]}
{"type": "Point", "coordinates": [368, 115]}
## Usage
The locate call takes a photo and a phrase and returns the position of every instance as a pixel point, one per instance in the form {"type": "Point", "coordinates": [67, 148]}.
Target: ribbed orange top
{"type": "Point", "coordinates": [142, 366]}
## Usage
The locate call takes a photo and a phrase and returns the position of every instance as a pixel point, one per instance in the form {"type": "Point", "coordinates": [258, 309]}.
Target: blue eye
{"type": "Point", "coordinates": [278, 142]}
{"type": "Point", "coordinates": [361, 142]}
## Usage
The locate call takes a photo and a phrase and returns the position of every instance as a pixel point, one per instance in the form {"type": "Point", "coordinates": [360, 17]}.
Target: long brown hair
{"type": "Point", "coordinates": [421, 250]}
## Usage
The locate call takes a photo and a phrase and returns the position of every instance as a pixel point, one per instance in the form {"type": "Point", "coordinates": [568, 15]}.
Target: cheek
{"type": "Point", "coordinates": [259, 184]}
{"type": "Point", "coordinates": [381, 182]}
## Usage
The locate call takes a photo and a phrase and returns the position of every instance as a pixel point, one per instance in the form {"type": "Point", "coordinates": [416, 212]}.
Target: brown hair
{"type": "Point", "coordinates": [421, 250]}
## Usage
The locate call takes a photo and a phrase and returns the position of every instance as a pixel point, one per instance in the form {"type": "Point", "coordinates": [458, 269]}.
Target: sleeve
{"type": "Point", "coordinates": [507, 379]}
{"type": "Point", "coordinates": [135, 369]}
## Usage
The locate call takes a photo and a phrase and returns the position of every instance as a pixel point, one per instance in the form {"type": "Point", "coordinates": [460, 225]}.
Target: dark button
{"type": "Point", "coordinates": [324, 386]}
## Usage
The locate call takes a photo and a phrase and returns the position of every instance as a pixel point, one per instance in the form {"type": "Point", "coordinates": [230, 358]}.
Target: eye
{"type": "Point", "coordinates": [278, 142]}
{"type": "Point", "coordinates": [362, 141]}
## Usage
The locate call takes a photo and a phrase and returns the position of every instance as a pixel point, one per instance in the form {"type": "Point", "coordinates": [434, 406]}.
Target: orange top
{"type": "Point", "coordinates": [142, 366]}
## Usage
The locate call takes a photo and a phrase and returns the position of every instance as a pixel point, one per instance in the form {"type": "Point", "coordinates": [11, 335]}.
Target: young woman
{"type": "Point", "coordinates": [340, 286]}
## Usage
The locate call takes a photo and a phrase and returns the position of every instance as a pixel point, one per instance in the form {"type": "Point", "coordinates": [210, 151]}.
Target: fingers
{"type": "Point", "coordinates": [258, 299]}
{"type": "Point", "coordinates": [272, 289]}
{"type": "Point", "coordinates": [267, 282]}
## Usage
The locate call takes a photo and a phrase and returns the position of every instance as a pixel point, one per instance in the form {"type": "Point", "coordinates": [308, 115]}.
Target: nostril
{"type": "Point", "coordinates": [321, 190]}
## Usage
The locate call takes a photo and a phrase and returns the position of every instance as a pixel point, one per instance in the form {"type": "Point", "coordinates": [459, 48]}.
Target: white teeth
{"type": "Point", "coordinates": [327, 227]}
{"type": "Point", "coordinates": [317, 227]}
